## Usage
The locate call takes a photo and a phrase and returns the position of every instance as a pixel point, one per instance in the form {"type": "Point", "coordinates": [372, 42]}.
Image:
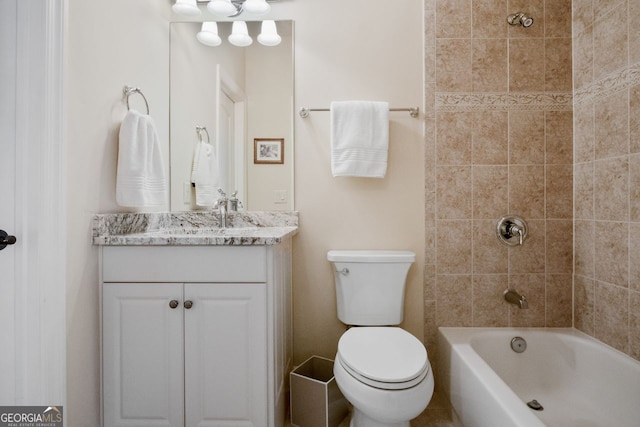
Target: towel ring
{"type": "Point", "coordinates": [128, 90]}
{"type": "Point", "coordinates": [200, 130]}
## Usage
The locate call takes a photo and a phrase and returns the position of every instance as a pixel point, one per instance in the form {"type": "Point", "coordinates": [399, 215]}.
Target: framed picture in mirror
{"type": "Point", "coordinates": [268, 151]}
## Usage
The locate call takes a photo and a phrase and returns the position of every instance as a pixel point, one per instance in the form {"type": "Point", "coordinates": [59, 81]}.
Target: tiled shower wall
{"type": "Point", "coordinates": [498, 141]}
{"type": "Point", "coordinates": [606, 50]}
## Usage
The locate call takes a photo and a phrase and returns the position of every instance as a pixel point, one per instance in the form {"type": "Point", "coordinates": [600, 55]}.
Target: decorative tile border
{"type": "Point", "coordinates": [614, 82]}
{"type": "Point", "coordinates": [504, 101]}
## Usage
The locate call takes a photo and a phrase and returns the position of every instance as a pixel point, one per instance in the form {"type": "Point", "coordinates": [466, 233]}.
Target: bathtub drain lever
{"type": "Point", "coordinates": [535, 405]}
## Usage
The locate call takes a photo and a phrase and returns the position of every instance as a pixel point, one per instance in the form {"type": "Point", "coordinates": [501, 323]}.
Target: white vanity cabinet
{"type": "Point", "coordinates": [195, 335]}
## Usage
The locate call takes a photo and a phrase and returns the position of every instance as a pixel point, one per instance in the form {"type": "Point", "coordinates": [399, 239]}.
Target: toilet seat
{"type": "Point", "coordinates": [388, 358]}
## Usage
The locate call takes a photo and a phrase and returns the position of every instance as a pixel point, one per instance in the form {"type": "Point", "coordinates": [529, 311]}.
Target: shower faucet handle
{"type": "Point", "coordinates": [511, 230]}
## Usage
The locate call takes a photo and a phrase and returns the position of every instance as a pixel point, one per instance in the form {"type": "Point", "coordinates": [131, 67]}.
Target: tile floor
{"type": "Point", "coordinates": [438, 414]}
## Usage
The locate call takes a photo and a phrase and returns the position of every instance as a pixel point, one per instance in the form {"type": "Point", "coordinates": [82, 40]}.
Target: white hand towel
{"type": "Point", "coordinates": [204, 174]}
{"type": "Point", "coordinates": [140, 179]}
{"type": "Point", "coordinates": [359, 138]}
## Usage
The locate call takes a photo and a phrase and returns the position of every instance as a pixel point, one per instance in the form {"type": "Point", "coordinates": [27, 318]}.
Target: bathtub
{"type": "Point", "coordinates": [579, 381]}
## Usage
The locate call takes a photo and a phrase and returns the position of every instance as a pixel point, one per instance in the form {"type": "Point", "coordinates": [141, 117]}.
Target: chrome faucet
{"type": "Point", "coordinates": [221, 204]}
{"type": "Point", "coordinates": [512, 297]}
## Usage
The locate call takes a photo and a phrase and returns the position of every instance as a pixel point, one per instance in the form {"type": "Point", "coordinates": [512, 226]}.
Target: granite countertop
{"type": "Point", "coordinates": [194, 228]}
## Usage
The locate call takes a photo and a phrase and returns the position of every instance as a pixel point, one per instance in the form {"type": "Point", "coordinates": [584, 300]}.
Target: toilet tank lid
{"type": "Point", "coordinates": [370, 256]}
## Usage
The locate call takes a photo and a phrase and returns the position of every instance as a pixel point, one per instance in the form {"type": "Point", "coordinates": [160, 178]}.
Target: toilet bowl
{"type": "Point", "coordinates": [383, 370]}
{"type": "Point", "coordinates": [385, 373]}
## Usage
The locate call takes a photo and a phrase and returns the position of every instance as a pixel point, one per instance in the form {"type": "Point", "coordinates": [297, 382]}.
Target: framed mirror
{"type": "Point", "coordinates": [242, 96]}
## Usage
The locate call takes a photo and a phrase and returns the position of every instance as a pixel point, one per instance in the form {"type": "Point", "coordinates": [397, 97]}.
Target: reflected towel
{"type": "Point", "coordinates": [359, 138]}
{"type": "Point", "coordinates": [140, 178]}
{"type": "Point", "coordinates": [204, 174]}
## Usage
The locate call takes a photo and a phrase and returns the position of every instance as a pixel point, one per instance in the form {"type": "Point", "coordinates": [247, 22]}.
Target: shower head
{"type": "Point", "coordinates": [520, 19]}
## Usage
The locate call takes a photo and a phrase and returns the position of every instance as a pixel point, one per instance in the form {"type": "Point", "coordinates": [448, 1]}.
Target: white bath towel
{"type": "Point", "coordinates": [359, 138]}
{"type": "Point", "coordinates": [204, 174]}
{"type": "Point", "coordinates": [140, 179]}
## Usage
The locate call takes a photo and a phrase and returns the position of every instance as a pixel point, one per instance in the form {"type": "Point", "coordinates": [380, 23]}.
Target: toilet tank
{"type": "Point", "coordinates": [370, 285]}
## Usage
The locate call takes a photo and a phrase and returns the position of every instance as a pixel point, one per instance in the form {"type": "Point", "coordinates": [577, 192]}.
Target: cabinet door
{"type": "Point", "coordinates": [225, 355]}
{"type": "Point", "coordinates": [142, 351]}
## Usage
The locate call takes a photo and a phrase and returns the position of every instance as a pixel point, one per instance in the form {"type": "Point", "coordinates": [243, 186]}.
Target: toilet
{"type": "Point", "coordinates": [382, 370]}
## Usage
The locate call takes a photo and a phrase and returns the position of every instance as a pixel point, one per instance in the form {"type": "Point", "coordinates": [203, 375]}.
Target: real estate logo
{"type": "Point", "coordinates": [31, 416]}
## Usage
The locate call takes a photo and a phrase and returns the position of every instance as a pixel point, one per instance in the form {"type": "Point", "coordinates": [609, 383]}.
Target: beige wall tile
{"type": "Point", "coordinates": [454, 254]}
{"type": "Point", "coordinates": [559, 247]}
{"type": "Point", "coordinates": [429, 281]}
{"type": "Point", "coordinates": [584, 138]}
{"type": "Point", "coordinates": [557, 18]}
{"type": "Point", "coordinates": [559, 137]}
{"type": "Point", "coordinates": [454, 136]}
{"type": "Point", "coordinates": [602, 7]}
{"type": "Point", "coordinates": [489, 255]}
{"type": "Point", "coordinates": [634, 187]}
{"type": "Point", "coordinates": [430, 325]}
{"type": "Point", "coordinates": [634, 325]}
{"type": "Point", "coordinates": [526, 65]}
{"type": "Point", "coordinates": [634, 117]}
{"type": "Point", "coordinates": [610, 40]}
{"type": "Point", "coordinates": [612, 315]}
{"type": "Point", "coordinates": [453, 18]}
{"type": "Point", "coordinates": [453, 62]}
{"type": "Point", "coordinates": [611, 124]}
{"type": "Point", "coordinates": [634, 256]}
{"type": "Point", "coordinates": [583, 58]}
{"type": "Point", "coordinates": [585, 248]}
{"type": "Point", "coordinates": [490, 138]}
{"type": "Point", "coordinates": [526, 137]}
{"type": "Point", "coordinates": [453, 192]}
{"type": "Point", "coordinates": [582, 15]}
{"type": "Point", "coordinates": [489, 307]}
{"type": "Point", "coordinates": [611, 253]}
{"type": "Point", "coordinates": [584, 295]}
{"type": "Point", "coordinates": [532, 287]}
{"type": "Point", "coordinates": [430, 62]}
{"type": "Point", "coordinates": [530, 257]}
{"type": "Point", "coordinates": [634, 34]}
{"type": "Point", "coordinates": [454, 300]}
{"type": "Point", "coordinates": [559, 301]}
{"type": "Point", "coordinates": [490, 184]}
{"type": "Point", "coordinates": [485, 16]}
{"type": "Point", "coordinates": [583, 188]}
{"type": "Point", "coordinates": [611, 189]}
{"type": "Point", "coordinates": [557, 58]}
{"type": "Point", "coordinates": [526, 191]}
{"type": "Point", "coordinates": [559, 191]}
{"type": "Point", "coordinates": [489, 66]}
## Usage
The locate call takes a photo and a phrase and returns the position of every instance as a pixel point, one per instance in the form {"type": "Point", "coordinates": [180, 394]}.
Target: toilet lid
{"type": "Point", "coordinates": [385, 357]}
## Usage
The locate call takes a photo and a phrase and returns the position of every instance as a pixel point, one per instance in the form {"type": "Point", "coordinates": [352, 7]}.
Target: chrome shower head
{"type": "Point", "coordinates": [520, 18]}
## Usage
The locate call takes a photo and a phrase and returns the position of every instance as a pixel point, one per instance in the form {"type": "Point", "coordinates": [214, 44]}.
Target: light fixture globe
{"type": "Point", "coordinates": [240, 34]}
{"type": "Point", "coordinates": [208, 34]}
{"type": "Point", "coordinates": [222, 7]}
{"type": "Point", "coordinates": [269, 34]}
{"type": "Point", "coordinates": [186, 8]}
{"type": "Point", "coordinates": [256, 7]}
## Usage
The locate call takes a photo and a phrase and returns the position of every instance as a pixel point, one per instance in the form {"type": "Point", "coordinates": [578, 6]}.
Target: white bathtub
{"type": "Point", "coordinates": [579, 381]}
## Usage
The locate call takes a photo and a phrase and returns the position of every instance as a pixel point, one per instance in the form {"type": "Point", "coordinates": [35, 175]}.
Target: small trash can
{"type": "Point", "coordinates": [316, 400]}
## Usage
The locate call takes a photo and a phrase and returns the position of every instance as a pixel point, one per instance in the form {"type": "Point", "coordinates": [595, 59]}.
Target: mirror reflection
{"type": "Point", "coordinates": [243, 97]}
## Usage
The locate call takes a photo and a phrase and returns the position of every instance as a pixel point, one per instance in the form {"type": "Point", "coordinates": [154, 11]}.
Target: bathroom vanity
{"type": "Point", "coordinates": [196, 320]}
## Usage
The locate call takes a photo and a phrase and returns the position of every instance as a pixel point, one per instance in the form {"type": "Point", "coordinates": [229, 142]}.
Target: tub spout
{"type": "Point", "coordinates": [512, 297]}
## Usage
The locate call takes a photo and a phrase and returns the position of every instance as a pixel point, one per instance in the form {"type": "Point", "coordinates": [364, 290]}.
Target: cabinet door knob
{"type": "Point", "coordinates": [173, 303]}
{"type": "Point", "coordinates": [188, 304]}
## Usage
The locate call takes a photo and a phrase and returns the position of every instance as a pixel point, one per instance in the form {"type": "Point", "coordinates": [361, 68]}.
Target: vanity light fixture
{"type": "Point", "coordinates": [186, 8]}
{"type": "Point", "coordinates": [208, 34]}
{"type": "Point", "coordinates": [240, 34]}
{"type": "Point", "coordinates": [231, 8]}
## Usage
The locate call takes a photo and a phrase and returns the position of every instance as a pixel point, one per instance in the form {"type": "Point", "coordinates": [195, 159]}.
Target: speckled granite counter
{"type": "Point", "coordinates": [193, 228]}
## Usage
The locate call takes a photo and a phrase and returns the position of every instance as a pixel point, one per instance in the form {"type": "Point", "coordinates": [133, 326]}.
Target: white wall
{"type": "Point", "coordinates": [344, 50]}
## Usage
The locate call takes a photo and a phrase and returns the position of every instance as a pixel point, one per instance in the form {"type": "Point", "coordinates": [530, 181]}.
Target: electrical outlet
{"type": "Point", "coordinates": [280, 196]}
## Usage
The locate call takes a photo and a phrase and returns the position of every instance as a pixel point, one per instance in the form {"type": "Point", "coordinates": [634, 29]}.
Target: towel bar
{"type": "Point", "coordinates": [413, 111]}
{"type": "Point", "coordinates": [128, 90]}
